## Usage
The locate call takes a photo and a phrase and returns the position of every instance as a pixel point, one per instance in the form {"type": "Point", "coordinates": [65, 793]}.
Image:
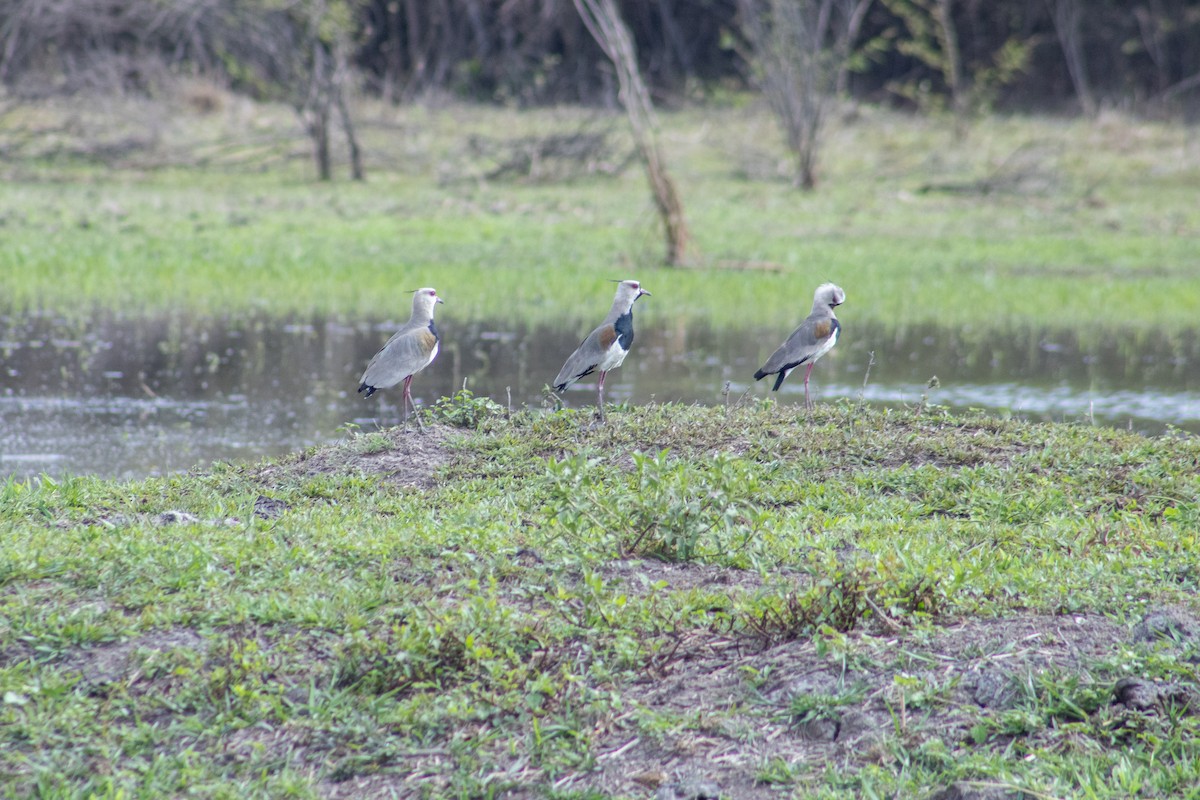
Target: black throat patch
{"type": "Point", "coordinates": [624, 328]}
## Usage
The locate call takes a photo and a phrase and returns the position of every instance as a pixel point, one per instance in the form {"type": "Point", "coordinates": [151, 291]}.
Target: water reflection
{"type": "Point", "coordinates": [120, 397]}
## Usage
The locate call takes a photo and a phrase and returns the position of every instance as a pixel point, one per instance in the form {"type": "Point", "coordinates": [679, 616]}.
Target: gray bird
{"type": "Point", "coordinates": [410, 350]}
{"type": "Point", "coordinates": [606, 347]}
{"type": "Point", "coordinates": [815, 337]}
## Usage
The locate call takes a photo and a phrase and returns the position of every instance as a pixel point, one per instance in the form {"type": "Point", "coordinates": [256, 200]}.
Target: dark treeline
{"type": "Point", "coordinates": [999, 53]}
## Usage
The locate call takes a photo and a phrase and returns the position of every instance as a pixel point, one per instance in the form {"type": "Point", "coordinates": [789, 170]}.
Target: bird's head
{"type": "Point", "coordinates": [424, 300]}
{"type": "Point", "coordinates": [628, 292]}
{"type": "Point", "coordinates": [828, 295]}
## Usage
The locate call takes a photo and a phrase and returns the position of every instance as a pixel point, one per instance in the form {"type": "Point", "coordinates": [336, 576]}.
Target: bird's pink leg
{"type": "Point", "coordinates": [408, 394]}
{"type": "Point", "coordinates": [407, 400]}
{"type": "Point", "coordinates": [600, 390]}
{"type": "Point", "coordinates": [808, 372]}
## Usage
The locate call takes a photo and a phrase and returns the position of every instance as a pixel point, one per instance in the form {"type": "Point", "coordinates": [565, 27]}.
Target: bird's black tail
{"type": "Point", "coordinates": [758, 376]}
{"type": "Point", "coordinates": [370, 390]}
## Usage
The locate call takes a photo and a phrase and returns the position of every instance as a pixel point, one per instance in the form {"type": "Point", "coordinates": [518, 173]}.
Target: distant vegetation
{"type": "Point", "coordinates": [1016, 53]}
{"type": "Point", "coordinates": [1028, 222]}
{"type": "Point", "coordinates": [318, 56]}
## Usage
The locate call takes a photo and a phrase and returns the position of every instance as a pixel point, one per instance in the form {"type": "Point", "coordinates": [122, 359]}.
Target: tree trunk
{"type": "Point", "coordinates": [338, 87]}
{"type": "Point", "coordinates": [318, 131]}
{"type": "Point", "coordinates": [845, 43]}
{"type": "Point", "coordinates": [604, 23]}
{"type": "Point", "coordinates": [416, 62]}
{"type": "Point", "coordinates": [948, 37]}
{"type": "Point", "coordinates": [316, 111]}
{"type": "Point", "coordinates": [1067, 17]}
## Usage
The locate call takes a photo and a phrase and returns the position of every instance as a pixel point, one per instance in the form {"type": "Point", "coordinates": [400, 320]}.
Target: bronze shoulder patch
{"type": "Point", "coordinates": [428, 341]}
{"type": "Point", "coordinates": [608, 335]}
{"type": "Point", "coordinates": [822, 329]}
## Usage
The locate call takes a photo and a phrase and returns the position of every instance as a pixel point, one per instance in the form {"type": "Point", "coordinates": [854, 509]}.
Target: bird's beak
{"type": "Point", "coordinates": [642, 292]}
{"type": "Point", "coordinates": [440, 300]}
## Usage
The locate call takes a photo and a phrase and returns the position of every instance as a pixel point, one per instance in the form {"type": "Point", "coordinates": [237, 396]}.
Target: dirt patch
{"type": "Point", "coordinates": [98, 667]}
{"type": "Point", "coordinates": [794, 705]}
{"type": "Point", "coordinates": [1169, 623]}
{"type": "Point", "coordinates": [739, 712]}
{"type": "Point", "coordinates": [404, 458]}
{"type": "Point", "coordinates": [714, 716]}
{"type": "Point", "coordinates": [639, 576]}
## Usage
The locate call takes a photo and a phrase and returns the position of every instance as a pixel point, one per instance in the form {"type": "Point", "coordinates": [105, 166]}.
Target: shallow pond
{"type": "Point", "coordinates": [130, 397]}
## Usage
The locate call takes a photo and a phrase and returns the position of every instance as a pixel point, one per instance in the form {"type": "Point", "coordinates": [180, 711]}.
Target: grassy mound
{"type": "Point", "coordinates": [683, 602]}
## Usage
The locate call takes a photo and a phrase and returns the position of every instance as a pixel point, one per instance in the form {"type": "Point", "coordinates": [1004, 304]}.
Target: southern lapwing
{"type": "Point", "coordinates": [606, 347]}
{"type": "Point", "coordinates": [410, 350]}
{"type": "Point", "coordinates": [815, 337]}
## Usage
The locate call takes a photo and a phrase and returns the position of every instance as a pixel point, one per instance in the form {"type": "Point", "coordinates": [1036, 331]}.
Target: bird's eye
{"type": "Point", "coordinates": [633, 285]}
{"type": "Point", "coordinates": [432, 293]}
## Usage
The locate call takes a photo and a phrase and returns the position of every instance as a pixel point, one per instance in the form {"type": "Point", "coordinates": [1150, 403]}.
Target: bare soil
{"type": "Point", "coordinates": [736, 727]}
{"type": "Point", "coordinates": [411, 458]}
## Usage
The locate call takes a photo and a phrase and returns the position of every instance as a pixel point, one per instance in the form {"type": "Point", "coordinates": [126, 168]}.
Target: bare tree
{"type": "Point", "coordinates": [1068, 18]}
{"type": "Point", "coordinates": [800, 52]}
{"type": "Point", "coordinates": [322, 65]}
{"type": "Point", "coordinates": [1154, 25]}
{"type": "Point", "coordinates": [604, 23]}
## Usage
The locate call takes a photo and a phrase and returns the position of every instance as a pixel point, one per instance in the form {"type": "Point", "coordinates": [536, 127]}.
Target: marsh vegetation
{"type": "Point", "coordinates": [1043, 267]}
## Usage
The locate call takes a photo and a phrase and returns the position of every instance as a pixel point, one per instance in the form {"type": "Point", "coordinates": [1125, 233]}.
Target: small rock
{"type": "Point", "coordinates": [992, 688]}
{"type": "Point", "coordinates": [855, 725]}
{"type": "Point", "coordinates": [651, 778]}
{"type": "Point", "coordinates": [268, 507]}
{"type": "Point", "coordinates": [527, 557]}
{"type": "Point", "coordinates": [706, 790]}
{"type": "Point", "coordinates": [1136, 694]}
{"type": "Point", "coordinates": [821, 729]}
{"type": "Point", "coordinates": [1140, 695]}
{"type": "Point", "coordinates": [689, 789]}
{"type": "Point", "coordinates": [965, 791]}
{"type": "Point", "coordinates": [1162, 623]}
{"type": "Point", "coordinates": [177, 518]}
{"type": "Point", "coordinates": [792, 686]}
{"type": "Point", "coordinates": [299, 696]}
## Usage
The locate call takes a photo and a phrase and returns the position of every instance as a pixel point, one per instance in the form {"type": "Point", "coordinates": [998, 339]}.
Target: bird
{"type": "Point", "coordinates": [815, 337]}
{"type": "Point", "coordinates": [410, 350]}
{"type": "Point", "coordinates": [606, 347]}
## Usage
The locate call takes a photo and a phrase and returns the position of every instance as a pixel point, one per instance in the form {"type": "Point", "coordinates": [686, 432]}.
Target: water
{"type": "Point", "coordinates": [131, 397]}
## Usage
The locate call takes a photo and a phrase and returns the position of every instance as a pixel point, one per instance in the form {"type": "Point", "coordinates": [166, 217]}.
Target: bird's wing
{"type": "Point", "coordinates": [406, 353]}
{"type": "Point", "coordinates": [805, 342]}
{"type": "Point", "coordinates": [587, 356]}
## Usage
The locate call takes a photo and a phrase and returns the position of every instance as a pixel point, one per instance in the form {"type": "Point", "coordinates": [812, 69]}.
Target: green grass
{"type": "Point", "coordinates": [541, 606]}
{"type": "Point", "coordinates": [689, 580]}
{"type": "Point", "coordinates": [1091, 224]}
